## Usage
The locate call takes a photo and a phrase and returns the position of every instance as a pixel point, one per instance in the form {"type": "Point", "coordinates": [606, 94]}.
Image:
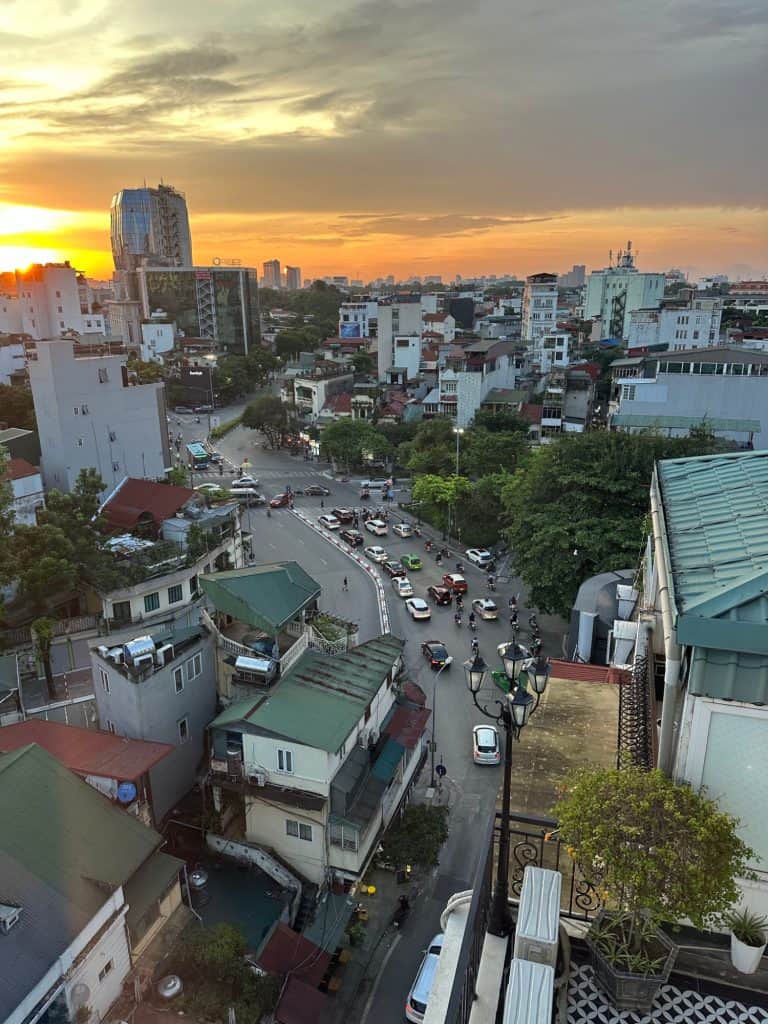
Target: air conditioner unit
{"type": "Point", "coordinates": [117, 655]}
{"type": "Point", "coordinates": [530, 991]}
{"type": "Point", "coordinates": [257, 778]}
{"type": "Point", "coordinates": [144, 661]}
{"type": "Point", "coordinates": [362, 740]}
{"type": "Point", "coordinates": [103, 651]}
{"type": "Point", "coordinates": [164, 654]}
{"type": "Point", "coordinates": [538, 916]}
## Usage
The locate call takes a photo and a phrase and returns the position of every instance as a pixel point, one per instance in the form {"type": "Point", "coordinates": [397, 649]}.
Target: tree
{"type": "Point", "coordinates": [417, 837]}
{"type": "Point", "coordinates": [352, 442]}
{"type": "Point", "coordinates": [433, 449]}
{"type": "Point", "coordinates": [501, 422]}
{"type": "Point", "coordinates": [17, 408]}
{"type": "Point", "coordinates": [6, 518]}
{"type": "Point", "coordinates": [270, 416]}
{"type": "Point", "coordinates": [362, 362]}
{"type": "Point", "coordinates": [43, 561]}
{"type": "Point", "coordinates": [479, 512]}
{"type": "Point", "coordinates": [178, 476]}
{"type": "Point", "coordinates": [146, 373]}
{"type": "Point", "coordinates": [43, 634]}
{"type": "Point", "coordinates": [485, 452]}
{"type": "Point", "coordinates": [440, 494]}
{"type": "Point", "coordinates": [76, 515]}
{"type": "Point", "coordinates": [577, 508]}
{"type": "Point", "coordinates": [292, 340]}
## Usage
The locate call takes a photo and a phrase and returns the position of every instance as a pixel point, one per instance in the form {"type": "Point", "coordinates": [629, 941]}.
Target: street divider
{"type": "Point", "coordinates": [381, 600]}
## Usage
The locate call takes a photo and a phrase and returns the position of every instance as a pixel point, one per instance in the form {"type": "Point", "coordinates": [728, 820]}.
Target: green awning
{"type": "Point", "coordinates": [148, 884]}
{"type": "Point", "coordinates": [651, 420]}
{"type": "Point", "coordinates": [387, 761]}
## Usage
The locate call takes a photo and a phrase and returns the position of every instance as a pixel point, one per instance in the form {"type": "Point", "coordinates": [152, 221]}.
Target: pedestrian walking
{"type": "Point", "coordinates": [322, 503]}
{"type": "Point", "coordinates": [345, 584]}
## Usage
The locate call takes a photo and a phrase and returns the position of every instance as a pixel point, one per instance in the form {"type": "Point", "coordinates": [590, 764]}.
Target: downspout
{"type": "Point", "coordinates": [671, 648]}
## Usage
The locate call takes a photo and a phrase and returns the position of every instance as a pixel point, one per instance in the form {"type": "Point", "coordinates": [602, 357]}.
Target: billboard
{"type": "Point", "coordinates": [350, 331]}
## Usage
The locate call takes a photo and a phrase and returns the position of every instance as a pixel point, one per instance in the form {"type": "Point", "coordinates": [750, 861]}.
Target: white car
{"type": "Point", "coordinates": [377, 554]}
{"type": "Point", "coordinates": [403, 529]}
{"type": "Point", "coordinates": [479, 556]}
{"type": "Point", "coordinates": [418, 608]}
{"type": "Point", "coordinates": [209, 487]}
{"type": "Point", "coordinates": [377, 526]}
{"type": "Point", "coordinates": [245, 481]}
{"type": "Point", "coordinates": [402, 586]}
{"type": "Point", "coordinates": [416, 1003]}
{"type": "Point", "coordinates": [329, 522]}
{"type": "Point", "coordinates": [485, 608]}
{"type": "Point", "coordinates": [485, 745]}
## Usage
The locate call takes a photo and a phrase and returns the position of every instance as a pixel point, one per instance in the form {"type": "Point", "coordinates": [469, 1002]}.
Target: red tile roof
{"type": "Point", "coordinates": [339, 403]}
{"type": "Point", "coordinates": [286, 950]}
{"type": "Point", "coordinates": [435, 318]}
{"type": "Point", "coordinates": [137, 498]}
{"type": "Point", "coordinates": [579, 672]}
{"type": "Point", "coordinates": [17, 469]}
{"type": "Point", "coordinates": [300, 1004]}
{"type": "Point", "coordinates": [531, 413]}
{"type": "Point", "coordinates": [407, 725]}
{"type": "Point", "coordinates": [414, 693]}
{"type": "Point", "coordinates": [87, 751]}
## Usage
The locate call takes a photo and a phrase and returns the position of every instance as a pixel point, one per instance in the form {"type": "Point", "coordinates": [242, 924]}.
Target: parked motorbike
{"type": "Point", "coordinates": [402, 911]}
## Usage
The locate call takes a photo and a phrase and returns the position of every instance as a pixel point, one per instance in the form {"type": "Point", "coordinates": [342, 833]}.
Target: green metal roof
{"type": "Point", "coordinates": [715, 516]}
{"type": "Point", "coordinates": [388, 760]}
{"type": "Point", "coordinates": [64, 832]}
{"type": "Point", "coordinates": [651, 420]}
{"type": "Point", "coordinates": [149, 883]}
{"type": "Point", "coordinates": [264, 596]}
{"type": "Point", "coordinates": [319, 701]}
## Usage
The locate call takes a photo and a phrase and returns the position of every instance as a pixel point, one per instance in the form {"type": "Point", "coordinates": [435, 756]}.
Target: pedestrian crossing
{"type": "Point", "coordinates": [284, 476]}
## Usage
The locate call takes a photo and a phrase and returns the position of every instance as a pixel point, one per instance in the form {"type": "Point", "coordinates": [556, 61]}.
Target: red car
{"type": "Point", "coordinates": [280, 501]}
{"type": "Point", "coordinates": [440, 595]}
{"type": "Point", "coordinates": [455, 582]}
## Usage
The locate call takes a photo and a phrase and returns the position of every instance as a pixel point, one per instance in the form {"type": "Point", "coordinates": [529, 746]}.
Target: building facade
{"type": "Point", "coordinates": [358, 319]}
{"type": "Point", "coordinates": [612, 294]}
{"type": "Point", "coordinates": [164, 694]}
{"type": "Point", "coordinates": [28, 493]}
{"type": "Point", "coordinates": [539, 309]}
{"type": "Point", "coordinates": [293, 278]}
{"type": "Point", "coordinates": [399, 319]}
{"type": "Point", "coordinates": [91, 415]}
{"type": "Point", "coordinates": [49, 302]}
{"type": "Point", "coordinates": [12, 358]}
{"type": "Point", "coordinates": [692, 323]}
{"type": "Point", "coordinates": [150, 223]}
{"type": "Point", "coordinates": [271, 276]}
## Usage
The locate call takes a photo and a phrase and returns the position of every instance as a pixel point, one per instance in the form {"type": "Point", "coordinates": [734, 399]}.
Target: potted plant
{"type": "Point", "coordinates": [749, 937]}
{"type": "Point", "coordinates": [655, 851]}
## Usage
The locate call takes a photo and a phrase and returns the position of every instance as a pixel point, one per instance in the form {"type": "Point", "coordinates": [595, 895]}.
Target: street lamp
{"type": "Point", "coordinates": [458, 431]}
{"type": "Point", "coordinates": [514, 714]}
{"type": "Point", "coordinates": [442, 668]}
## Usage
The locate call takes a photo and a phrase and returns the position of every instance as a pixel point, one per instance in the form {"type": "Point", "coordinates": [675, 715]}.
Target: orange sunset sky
{"type": "Point", "coordinates": [413, 137]}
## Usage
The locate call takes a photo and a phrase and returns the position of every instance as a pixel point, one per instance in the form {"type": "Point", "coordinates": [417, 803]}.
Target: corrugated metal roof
{"type": "Point", "coordinates": [264, 596]}
{"type": "Point", "coordinates": [651, 420]}
{"type": "Point", "coordinates": [388, 760]}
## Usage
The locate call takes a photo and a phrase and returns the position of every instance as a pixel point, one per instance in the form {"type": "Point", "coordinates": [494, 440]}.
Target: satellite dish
{"type": "Point", "coordinates": [126, 792]}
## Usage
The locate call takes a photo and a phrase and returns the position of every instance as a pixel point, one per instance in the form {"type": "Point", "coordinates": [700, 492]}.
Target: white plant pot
{"type": "Point", "coordinates": [744, 958]}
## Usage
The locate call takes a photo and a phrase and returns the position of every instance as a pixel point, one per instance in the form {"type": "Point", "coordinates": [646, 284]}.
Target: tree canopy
{"type": "Point", "coordinates": [17, 408]}
{"type": "Point", "coordinates": [353, 442]}
{"type": "Point", "coordinates": [267, 414]}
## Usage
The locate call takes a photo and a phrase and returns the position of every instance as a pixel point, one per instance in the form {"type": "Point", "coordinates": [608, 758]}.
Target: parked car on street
{"type": "Point", "coordinates": [418, 608]}
{"type": "Point", "coordinates": [436, 654]}
{"type": "Point", "coordinates": [353, 537]}
{"type": "Point", "coordinates": [403, 529]}
{"type": "Point", "coordinates": [393, 569]}
{"type": "Point", "coordinates": [455, 582]}
{"type": "Point", "coordinates": [440, 595]}
{"type": "Point", "coordinates": [402, 586]}
{"type": "Point", "coordinates": [485, 745]}
{"type": "Point", "coordinates": [485, 608]}
{"type": "Point", "coordinates": [245, 481]}
{"type": "Point", "coordinates": [248, 496]}
{"type": "Point", "coordinates": [317, 491]}
{"type": "Point", "coordinates": [329, 522]}
{"type": "Point", "coordinates": [377, 554]}
{"type": "Point", "coordinates": [208, 488]}
{"type": "Point", "coordinates": [479, 556]}
{"type": "Point", "coordinates": [411, 561]}
{"type": "Point", "coordinates": [280, 501]}
{"type": "Point", "coordinates": [416, 1003]}
{"type": "Point", "coordinates": [182, 410]}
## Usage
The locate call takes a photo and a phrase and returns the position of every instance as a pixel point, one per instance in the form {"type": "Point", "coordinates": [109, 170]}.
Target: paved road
{"type": "Point", "coordinates": [473, 788]}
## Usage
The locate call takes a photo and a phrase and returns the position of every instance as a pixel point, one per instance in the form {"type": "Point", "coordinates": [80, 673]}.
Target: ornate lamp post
{"type": "Point", "coordinates": [514, 714]}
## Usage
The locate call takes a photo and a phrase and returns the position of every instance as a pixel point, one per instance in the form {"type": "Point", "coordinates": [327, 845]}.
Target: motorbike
{"type": "Point", "coordinates": [491, 583]}
{"type": "Point", "coordinates": [459, 567]}
{"type": "Point", "coordinates": [457, 618]}
{"type": "Point", "coordinates": [402, 911]}
{"type": "Point", "coordinates": [472, 624]}
{"type": "Point", "coordinates": [365, 495]}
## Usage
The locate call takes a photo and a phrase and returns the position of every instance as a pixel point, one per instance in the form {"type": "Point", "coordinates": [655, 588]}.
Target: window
{"type": "Point", "coordinates": [194, 667]}
{"type": "Point", "coordinates": [178, 679]}
{"type": "Point", "coordinates": [344, 836]}
{"type": "Point", "coordinates": [61, 323]}
{"type": "Point", "coordinates": [175, 594]}
{"type": "Point", "coordinates": [103, 375]}
{"type": "Point", "coordinates": [151, 602]}
{"type": "Point", "coordinates": [628, 392]}
{"type": "Point", "coordinates": [115, 467]}
{"type": "Point", "coordinates": [58, 295]}
{"type": "Point", "coordinates": [112, 435]}
{"type": "Point", "coordinates": [695, 335]}
{"type": "Point", "coordinates": [183, 730]}
{"type": "Point", "coordinates": [84, 410]}
{"type": "Point", "coordinates": [285, 760]}
{"type": "Point", "coordinates": [298, 830]}
{"type": "Point", "coordinates": [104, 680]}
{"type": "Point", "coordinates": [105, 970]}
{"type": "Point", "coordinates": [59, 309]}
{"type": "Point", "coordinates": [76, 410]}
{"type": "Point", "coordinates": [79, 442]}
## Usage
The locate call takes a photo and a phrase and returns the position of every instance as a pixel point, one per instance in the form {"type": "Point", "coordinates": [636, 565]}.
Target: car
{"type": "Point", "coordinates": [182, 410]}
{"type": "Point", "coordinates": [317, 491]}
{"type": "Point", "coordinates": [485, 745]}
{"type": "Point", "coordinates": [485, 608]}
{"type": "Point", "coordinates": [418, 997]}
{"type": "Point", "coordinates": [377, 526]}
{"type": "Point", "coordinates": [393, 569]}
{"type": "Point", "coordinates": [377, 554]}
{"type": "Point", "coordinates": [246, 481]}
{"type": "Point", "coordinates": [280, 501]}
{"type": "Point", "coordinates": [203, 408]}
{"type": "Point", "coordinates": [455, 582]}
{"type": "Point", "coordinates": [440, 595]}
{"type": "Point", "coordinates": [373, 485]}
{"type": "Point", "coordinates": [418, 608]}
{"type": "Point", "coordinates": [403, 529]}
{"type": "Point", "coordinates": [344, 515]}
{"type": "Point", "coordinates": [402, 586]}
{"type": "Point", "coordinates": [248, 496]}
{"type": "Point", "coordinates": [329, 522]}
{"type": "Point", "coordinates": [209, 487]}
{"type": "Point", "coordinates": [436, 654]}
{"type": "Point", "coordinates": [479, 556]}
{"type": "Point", "coordinates": [353, 537]}
{"type": "Point", "coordinates": [215, 457]}
{"type": "Point", "coordinates": [411, 562]}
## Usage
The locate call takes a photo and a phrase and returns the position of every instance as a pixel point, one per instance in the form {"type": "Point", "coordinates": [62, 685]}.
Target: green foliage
{"type": "Point", "coordinates": [292, 340]}
{"type": "Point", "coordinates": [178, 476]}
{"type": "Point", "coordinates": [236, 376]}
{"type": "Point", "coordinates": [224, 428]}
{"type": "Point", "coordinates": [397, 434]}
{"type": "Point", "coordinates": [146, 373]}
{"type": "Point", "coordinates": [270, 416]}
{"type": "Point", "coordinates": [362, 362]}
{"type": "Point", "coordinates": [433, 448]}
{"type": "Point", "coordinates": [318, 304]}
{"type": "Point", "coordinates": [485, 452]}
{"type": "Point", "coordinates": [197, 542]}
{"type": "Point", "coordinates": [437, 495]}
{"type": "Point", "coordinates": [43, 632]}
{"type": "Point", "coordinates": [480, 511]}
{"type": "Point", "coordinates": [351, 442]}
{"type": "Point", "coordinates": [44, 564]}
{"type": "Point", "coordinates": [749, 928]}
{"type": "Point", "coordinates": [653, 849]}
{"type": "Point", "coordinates": [6, 518]}
{"type": "Point", "coordinates": [501, 422]}
{"type": "Point", "coordinates": [417, 837]}
{"type": "Point", "coordinates": [577, 506]}
{"type": "Point", "coordinates": [17, 408]}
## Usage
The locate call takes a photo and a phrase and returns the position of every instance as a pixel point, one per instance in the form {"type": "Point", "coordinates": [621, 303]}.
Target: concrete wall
{"type": "Point", "coordinates": [312, 768]}
{"type": "Point", "coordinates": [111, 948]}
{"type": "Point", "coordinates": [265, 824]}
{"type": "Point", "coordinates": [152, 710]}
{"type": "Point", "coordinates": [401, 318]}
{"type": "Point", "coordinates": [28, 495]}
{"type": "Point", "coordinates": [170, 901]}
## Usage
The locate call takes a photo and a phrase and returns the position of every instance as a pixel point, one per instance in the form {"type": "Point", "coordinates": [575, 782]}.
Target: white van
{"type": "Point", "coordinates": [248, 496]}
{"type": "Point", "coordinates": [374, 485]}
{"type": "Point", "coordinates": [416, 1004]}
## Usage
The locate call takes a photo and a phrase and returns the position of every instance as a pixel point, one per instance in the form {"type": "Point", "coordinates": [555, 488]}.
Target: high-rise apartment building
{"type": "Point", "coordinates": [539, 306]}
{"type": "Point", "coordinates": [91, 413]}
{"type": "Point", "coordinates": [150, 223]}
{"type": "Point", "coordinates": [271, 277]}
{"type": "Point", "coordinates": [575, 277]}
{"type": "Point", "coordinates": [397, 323]}
{"type": "Point", "coordinates": [615, 293]}
{"type": "Point", "coordinates": [49, 302]}
{"type": "Point", "coordinates": [293, 278]}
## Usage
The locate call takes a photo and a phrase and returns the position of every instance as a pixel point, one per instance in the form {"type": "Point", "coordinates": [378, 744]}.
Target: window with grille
{"type": "Point", "coordinates": [175, 594]}
{"type": "Point", "coordinates": [151, 602]}
{"type": "Point", "coordinates": [298, 830]}
{"type": "Point", "coordinates": [178, 680]}
{"type": "Point", "coordinates": [284, 760]}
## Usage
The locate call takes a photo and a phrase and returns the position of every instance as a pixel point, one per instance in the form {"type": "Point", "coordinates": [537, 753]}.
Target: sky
{"type": "Point", "coordinates": [376, 137]}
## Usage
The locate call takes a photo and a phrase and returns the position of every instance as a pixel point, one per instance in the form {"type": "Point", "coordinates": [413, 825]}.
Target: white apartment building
{"type": "Point", "coordinates": [441, 323]}
{"type": "Point", "coordinates": [398, 320]}
{"type": "Point", "coordinates": [27, 488]}
{"type": "Point", "coordinates": [12, 358]}
{"type": "Point", "coordinates": [539, 309]}
{"type": "Point", "coordinates": [10, 313]}
{"type": "Point", "coordinates": [614, 293]}
{"type": "Point", "coordinates": [49, 302]}
{"type": "Point", "coordinates": [158, 335]}
{"type": "Point", "coordinates": [549, 351]}
{"type": "Point", "coordinates": [89, 414]}
{"type": "Point", "coordinates": [678, 325]}
{"type": "Point", "coordinates": [358, 319]}
{"type": "Point", "coordinates": [464, 384]}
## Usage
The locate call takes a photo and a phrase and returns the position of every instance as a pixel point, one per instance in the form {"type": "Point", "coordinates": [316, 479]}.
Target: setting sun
{"type": "Point", "coordinates": [18, 257]}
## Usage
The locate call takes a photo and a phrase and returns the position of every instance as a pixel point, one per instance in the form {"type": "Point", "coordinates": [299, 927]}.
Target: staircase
{"type": "Point", "coordinates": [307, 907]}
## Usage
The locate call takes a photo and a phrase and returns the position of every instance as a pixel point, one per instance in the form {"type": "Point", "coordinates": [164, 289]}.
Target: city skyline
{"type": "Point", "coordinates": [370, 139]}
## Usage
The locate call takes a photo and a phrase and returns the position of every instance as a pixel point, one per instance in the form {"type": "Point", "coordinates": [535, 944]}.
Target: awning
{"type": "Point", "coordinates": [386, 763]}
{"type": "Point", "coordinates": [148, 885]}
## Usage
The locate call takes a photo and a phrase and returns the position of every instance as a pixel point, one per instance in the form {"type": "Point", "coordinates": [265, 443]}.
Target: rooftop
{"type": "Point", "coordinates": [649, 421]}
{"type": "Point", "coordinates": [267, 596]}
{"type": "Point", "coordinates": [319, 701]}
{"type": "Point", "coordinates": [716, 354]}
{"type": "Point", "coordinates": [136, 500]}
{"type": "Point", "coordinates": [86, 751]}
{"type": "Point", "coordinates": [18, 469]}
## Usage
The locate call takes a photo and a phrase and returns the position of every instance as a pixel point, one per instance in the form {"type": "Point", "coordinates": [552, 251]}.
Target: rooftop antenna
{"type": "Point", "coordinates": [610, 257]}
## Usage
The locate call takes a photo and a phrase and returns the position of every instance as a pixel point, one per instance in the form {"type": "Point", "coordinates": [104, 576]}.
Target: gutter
{"type": "Point", "coordinates": [671, 647]}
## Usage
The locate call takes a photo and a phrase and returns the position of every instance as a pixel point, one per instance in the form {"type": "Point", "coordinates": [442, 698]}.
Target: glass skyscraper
{"type": "Point", "coordinates": [150, 223]}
